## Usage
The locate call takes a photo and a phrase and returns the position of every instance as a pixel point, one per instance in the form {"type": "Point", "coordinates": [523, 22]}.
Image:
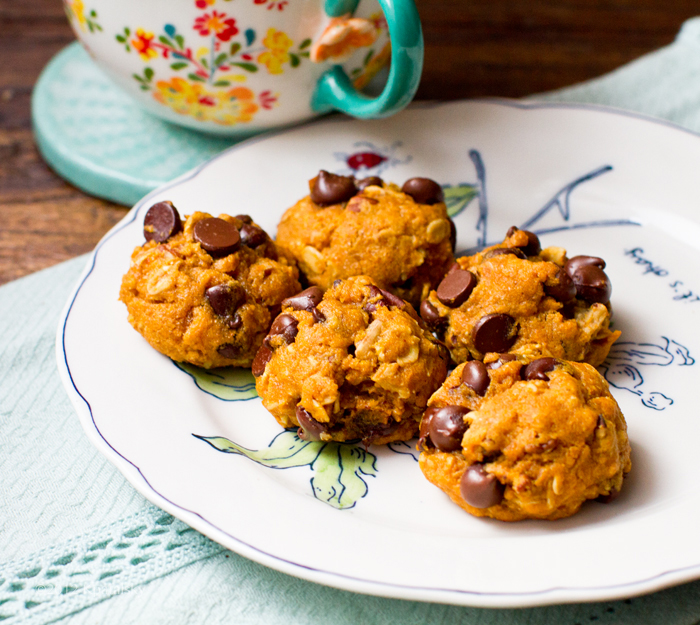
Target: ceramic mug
{"type": "Point", "coordinates": [239, 67]}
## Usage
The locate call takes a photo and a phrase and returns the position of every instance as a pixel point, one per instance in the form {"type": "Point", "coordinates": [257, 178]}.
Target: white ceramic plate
{"type": "Point", "coordinates": [594, 181]}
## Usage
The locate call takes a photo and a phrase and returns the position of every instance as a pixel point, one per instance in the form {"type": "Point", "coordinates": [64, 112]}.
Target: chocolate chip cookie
{"type": "Point", "coordinates": [354, 363]}
{"type": "Point", "coordinates": [401, 238]}
{"type": "Point", "coordinates": [516, 297]}
{"type": "Point", "coordinates": [205, 291]}
{"type": "Point", "coordinates": [515, 439]}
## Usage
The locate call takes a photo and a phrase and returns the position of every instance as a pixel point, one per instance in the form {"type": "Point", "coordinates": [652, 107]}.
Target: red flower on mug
{"type": "Point", "coordinates": [217, 23]}
{"type": "Point", "coordinates": [202, 4]}
{"type": "Point", "coordinates": [279, 4]}
{"type": "Point", "coordinates": [267, 99]}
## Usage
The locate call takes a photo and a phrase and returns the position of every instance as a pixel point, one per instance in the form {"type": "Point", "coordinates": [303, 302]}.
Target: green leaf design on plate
{"type": "Point", "coordinates": [338, 467]}
{"type": "Point", "coordinates": [458, 197]}
{"type": "Point", "coordinates": [227, 383]}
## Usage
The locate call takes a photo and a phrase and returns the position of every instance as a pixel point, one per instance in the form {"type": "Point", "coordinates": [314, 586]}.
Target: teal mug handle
{"type": "Point", "coordinates": [334, 91]}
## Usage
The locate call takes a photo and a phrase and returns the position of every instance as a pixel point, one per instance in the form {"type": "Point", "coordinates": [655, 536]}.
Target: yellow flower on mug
{"type": "Point", "coordinates": [143, 44]}
{"type": "Point", "coordinates": [278, 44]}
{"type": "Point", "coordinates": [236, 105]}
{"type": "Point", "coordinates": [76, 9]}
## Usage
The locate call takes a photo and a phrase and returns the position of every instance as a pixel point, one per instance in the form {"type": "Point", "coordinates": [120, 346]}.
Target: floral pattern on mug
{"type": "Point", "coordinates": [233, 106]}
{"type": "Point", "coordinates": [213, 58]}
{"type": "Point", "coordinates": [272, 4]}
{"type": "Point", "coordinates": [214, 65]}
{"type": "Point", "coordinates": [75, 10]}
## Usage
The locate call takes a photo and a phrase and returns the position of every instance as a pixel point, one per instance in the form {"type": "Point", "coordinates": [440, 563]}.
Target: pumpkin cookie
{"type": "Point", "coordinates": [205, 291]}
{"type": "Point", "coordinates": [354, 363]}
{"type": "Point", "coordinates": [516, 297]}
{"type": "Point", "coordinates": [513, 441]}
{"type": "Point", "coordinates": [401, 238]}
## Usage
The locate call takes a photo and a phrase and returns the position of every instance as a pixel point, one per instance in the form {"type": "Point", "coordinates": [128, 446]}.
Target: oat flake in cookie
{"type": "Point", "coordinates": [401, 237]}
{"type": "Point", "coordinates": [355, 363]}
{"type": "Point", "coordinates": [516, 297]}
{"type": "Point", "coordinates": [515, 440]}
{"type": "Point", "coordinates": [205, 290]}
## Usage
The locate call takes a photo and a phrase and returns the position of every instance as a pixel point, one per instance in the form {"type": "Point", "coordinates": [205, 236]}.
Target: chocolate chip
{"type": "Point", "coordinates": [285, 326]}
{"type": "Point", "coordinates": [216, 236]}
{"type": "Point", "coordinates": [476, 376]}
{"type": "Point", "coordinates": [224, 299]}
{"type": "Point", "coordinates": [502, 359]}
{"type": "Point", "coordinates": [305, 300]}
{"type": "Point", "coordinates": [456, 287]}
{"type": "Point", "coordinates": [310, 429]}
{"type": "Point", "coordinates": [501, 251]}
{"type": "Point", "coordinates": [379, 430]}
{"type": "Point", "coordinates": [161, 222]}
{"type": "Point", "coordinates": [592, 284]}
{"type": "Point", "coordinates": [372, 181]}
{"type": "Point", "coordinates": [453, 235]}
{"type": "Point", "coordinates": [423, 190]}
{"type": "Point", "coordinates": [393, 300]}
{"type": "Point", "coordinates": [228, 351]}
{"type": "Point", "coordinates": [235, 322]}
{"type": "Point", "coordinates": [318, 316]}
{"type": "Point", "coordinates": [424, 442]}
{"type": "Point", "coordinates": [337, 283]}
{"type": "Point", "coordinates": [432, 317]}
{"type": "Point", "coordinates": [494, 333]}
{"type": "Point", "coordinates": [609, 497]}
{"type": "Point", "coordinates": [479, 488]}
{"type": "Point", "coordinates": [574, 263]}
{"type": "Point", "coordinates": [246, 219]}
{"type": "Point", "coordinates": [332, 189]}
{"type": "Point", "coordinates": [260, 361]}
{"type": "Point", "coordinates": [446, 427]}
{"type": "Point", "coordinates": [378, 299]}
{"type": "Point", "coordinates": [252, 235]}
{"type": "Point", "coordinates": [533, 247]}
{"type": "Point", "coordinates": [563, 290]}
{"type": "Point", "coordinates": [385, 298]}
{"type": "Point", "coordinates": [537, 369]}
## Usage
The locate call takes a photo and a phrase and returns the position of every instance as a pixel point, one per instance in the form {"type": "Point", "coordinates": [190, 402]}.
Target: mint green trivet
{"type": "Point", "coordinates": [100, 140]}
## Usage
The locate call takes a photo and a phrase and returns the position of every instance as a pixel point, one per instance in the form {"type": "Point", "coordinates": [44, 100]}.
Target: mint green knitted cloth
{"type": "Point", "coordinates": [78, 545]}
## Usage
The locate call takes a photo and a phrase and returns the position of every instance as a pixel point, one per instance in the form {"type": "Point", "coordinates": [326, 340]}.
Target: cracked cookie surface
{"type": "Point", "coordinates": [353, 363]}
{"type": "Point", "coordinates": [516, 297]}
{"type": "Point", "coordinates": [205, 291]}
{"type": "Point", "coordinates": [518, 440]}
{"type": "Point", "coordinates": [402, 239]}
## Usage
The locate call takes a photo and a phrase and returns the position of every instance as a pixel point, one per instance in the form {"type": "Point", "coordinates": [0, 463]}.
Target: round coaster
{"type": "Point", "coordinates": [96, 137]}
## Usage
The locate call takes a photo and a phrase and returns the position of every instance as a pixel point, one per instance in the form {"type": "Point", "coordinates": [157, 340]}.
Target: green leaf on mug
{"type": "Point", "coordinates": [235, 47]}
{"type": "Point", "coordinates": [368, 57]}
{"type": "Point", "coordinates": [294, 60]}
{"type": "Point", "coordinates": [305, 44]}
{"type": "Point", "coordinates": [177, 66]}
{"type": "Point", "coordinates": [220, 59]}
{"type": "Point", "coordinates": [195, 77]}
{"type": "Point", "coordinates": [165, 40]}
{"type": "Point", "coordinates": [180, 41]}
{"type": "Point", "coordinates": [148, 73]}
{"type": "Point", "coordinates": [248, 67]}
{"type": "Point", "coordinates": [222, 83]}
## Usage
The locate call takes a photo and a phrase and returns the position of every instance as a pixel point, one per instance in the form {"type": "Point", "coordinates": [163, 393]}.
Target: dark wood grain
{"type": "Point", "coordinates": [473, 48]}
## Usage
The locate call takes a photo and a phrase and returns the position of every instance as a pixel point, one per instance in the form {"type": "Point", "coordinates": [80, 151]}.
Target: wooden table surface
{"type": "Point", "coordinates": [473, 48]}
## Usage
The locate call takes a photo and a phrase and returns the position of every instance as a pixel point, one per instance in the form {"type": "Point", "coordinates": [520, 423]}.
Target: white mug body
{"type": "Point", "coordinates": [233, 68]}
